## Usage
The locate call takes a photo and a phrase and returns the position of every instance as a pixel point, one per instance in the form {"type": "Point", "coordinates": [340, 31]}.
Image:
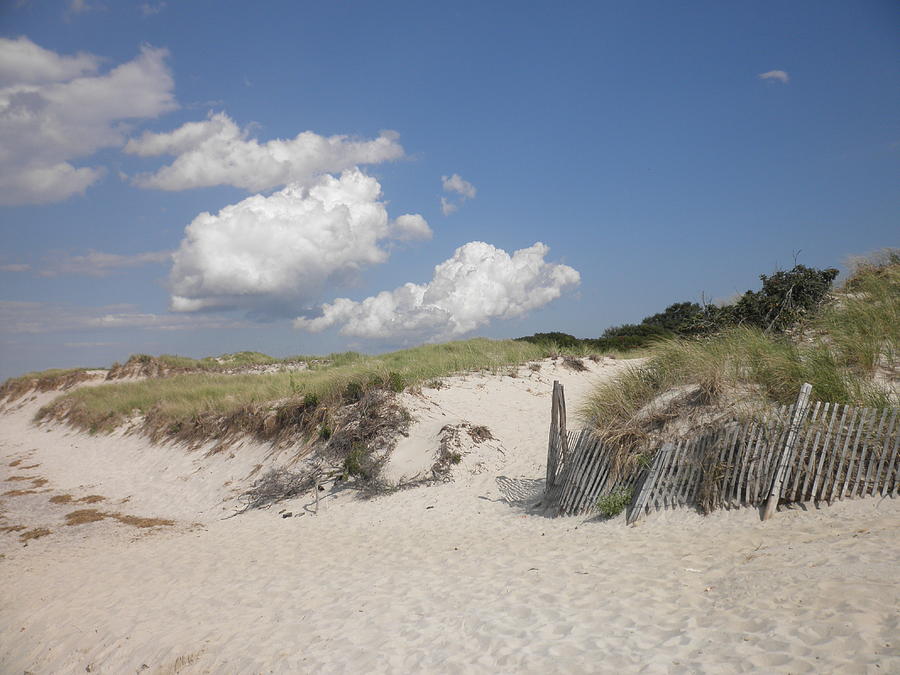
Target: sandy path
{"type": "Point", "coordinates": [452, 578]}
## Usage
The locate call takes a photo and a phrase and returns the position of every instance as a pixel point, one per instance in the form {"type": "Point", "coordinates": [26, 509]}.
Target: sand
{"type": "Point", "coordinates": [452, 577]}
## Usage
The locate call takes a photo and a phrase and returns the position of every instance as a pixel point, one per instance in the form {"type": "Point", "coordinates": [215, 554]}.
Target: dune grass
{"type": "Point", "coordinates": [840, 351]}
{"type": "Point", "coordinates": [45, 380]}
{"type": "Point", "coordinates": [173, 403]}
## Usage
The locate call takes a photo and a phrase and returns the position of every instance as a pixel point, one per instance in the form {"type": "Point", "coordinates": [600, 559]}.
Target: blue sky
{"type": "Point", "coordinates": [659, 151]}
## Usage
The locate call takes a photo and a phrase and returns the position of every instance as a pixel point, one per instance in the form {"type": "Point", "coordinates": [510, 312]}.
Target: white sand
{"type": "Point", "coordinates": [448, 578]}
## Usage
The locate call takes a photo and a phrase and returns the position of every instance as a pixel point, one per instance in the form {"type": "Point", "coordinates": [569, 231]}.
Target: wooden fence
{"type": "Point", "coordinates": [809, 451]}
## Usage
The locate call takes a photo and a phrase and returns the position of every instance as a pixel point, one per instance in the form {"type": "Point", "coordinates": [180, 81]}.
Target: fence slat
{"type": "Point", "coordinates": [650, 484]}
{"type": "Point", "coordinates": [883, 455]}
{"type": "Point", "coordinates": [734, 479]}
{"type": "Point", "coordinates": [890, 478]}
{"type": "Point", "coordinates": [859, 484]}
{"type": "Point", "coordinates": [786, 455]}
{"type": "Point", "coordinates": [829, 453]}
{"type": "Point", "coordinates": [812, 470]}
{"type": "Point", "coordinates": [599, 479]}
{"type": "Point", "coordinates": [801, 452]}
{"type": "Point", "coordinates": [727, 440]}
{"type": "Point", "coordinates": [576, 464]}
{"type": "Point", "coordinates": [852, 456]}
{"type": "Point", "coordinates": [669, 486]}
{"type": "Point", "coordinates": [837, 458]}
{"type": "Point", "coordinates": [594, 466]}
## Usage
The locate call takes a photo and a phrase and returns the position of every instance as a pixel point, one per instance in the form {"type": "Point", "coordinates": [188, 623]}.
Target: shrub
{"type": "Point", "coordinates": [615, 502]}
{"type": "Point", "coordinates": [395, 382]}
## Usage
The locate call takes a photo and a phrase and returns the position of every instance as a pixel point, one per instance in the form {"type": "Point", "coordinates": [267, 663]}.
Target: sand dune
{"type": "Point", "coordinates": [452, 577]}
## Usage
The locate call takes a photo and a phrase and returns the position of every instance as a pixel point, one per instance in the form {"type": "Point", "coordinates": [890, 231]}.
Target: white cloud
{"type": "Point", "coordinates": [282, 249]}
{"type": "Point", "coordinates": [79, 6]}
{"type": "Point", "coordinates": [479, 283]}
{"type": "Point", "coordinates": [52, 113]}
{"type": "Point", "coordinates": [21, 60]}
{"type": "Point", "coordinates": [149, 9]}
{"type": "Point", "coordinates": [217, 152]}
{"type": "Point", "coordinates": [456, 183]}
{"type": "Point", "coordinates": [448, 207]}
{"type": "Point", "coordinates": [47, 317]}
{"type": "Point", "coordinates": [778, 75]}
{"type": "Point", "coordinates": [100, 264]}
{"type": "Point", "coordinates": [410, 227]}
{"type": "Point", "coordinates": [15, 267]}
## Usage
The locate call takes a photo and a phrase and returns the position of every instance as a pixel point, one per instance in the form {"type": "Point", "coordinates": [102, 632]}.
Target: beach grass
{"type": "Point", "coordinates": [847, 351]}
{"type": "Point", "coordinates": [186, 400]}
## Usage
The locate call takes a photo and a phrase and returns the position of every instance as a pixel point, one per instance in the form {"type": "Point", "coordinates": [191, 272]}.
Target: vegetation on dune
{"type": "Point", "coordinates": [845, 345]}
{"type": "Point", "coordinates": [45, 380]}
{"type": "Point", "coordinates": [785, 298]}
{"type": "Point", "coordinates": [274, 406]}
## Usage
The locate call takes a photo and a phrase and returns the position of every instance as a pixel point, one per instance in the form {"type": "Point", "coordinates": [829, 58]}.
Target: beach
{"type": "Point", "coordinates": [452, 576]}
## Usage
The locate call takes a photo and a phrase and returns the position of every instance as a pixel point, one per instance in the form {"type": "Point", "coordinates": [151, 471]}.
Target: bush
{"type": "Point", "coordinates": [395, 382]}
{"type": "Point", "coordinates": [615, 502]}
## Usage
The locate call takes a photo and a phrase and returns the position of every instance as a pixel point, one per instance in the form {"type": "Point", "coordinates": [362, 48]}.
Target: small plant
{"type": "Point", "coordinates": [395, 382]}
{"type": "Point", "coordinates": [615, 502]}
{"type": "Point", "coordinates": [310, 401]}
{"type": "Point", "coordinates": [295, 388]}
{"type": "Point", "coordinates": [353, 392]}
{"type": "Point", "coordinates": [325, 432]}
{"type": "Point", "coordinates": [358, 462]}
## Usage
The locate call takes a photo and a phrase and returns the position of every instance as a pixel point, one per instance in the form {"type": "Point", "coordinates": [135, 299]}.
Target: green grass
{"type": "Point", "coordinates": [177, 402]}
{"type": "Point", "coordinates": [838, 351]}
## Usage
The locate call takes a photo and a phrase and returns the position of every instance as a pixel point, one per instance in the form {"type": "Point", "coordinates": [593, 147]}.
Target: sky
{"type": "Point", "coordinates": [199, 177]}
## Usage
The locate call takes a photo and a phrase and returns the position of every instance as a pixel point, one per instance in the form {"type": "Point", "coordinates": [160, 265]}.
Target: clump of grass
{"type": "Point", "coordinates": [612, 504]}
{"type": "Point", "coordinates": [36, 533]}
{"type": "Point", "coordinates": [84, 516]}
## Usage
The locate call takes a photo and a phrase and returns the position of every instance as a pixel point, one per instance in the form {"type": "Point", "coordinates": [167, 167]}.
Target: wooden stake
{"type": "Point", "coordinates": [785, 459]}
{"type": "Point", "coordinates": [554, 440]}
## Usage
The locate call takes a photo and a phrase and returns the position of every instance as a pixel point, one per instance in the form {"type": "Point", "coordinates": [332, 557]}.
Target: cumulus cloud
{"type": "Point", "coordinates": [410, 227]}
{"type": "Point", "coordinates": [479, 283]}
{"type": "Point", "coordinates": [54, 109]}
{"type": "Point", "coordinates": [49, 317]}
{"type": "Point", "coordinates": [282, 249]}
{"type": "Point", "coordinates": [218, 152]}
{"type": "Point", "coordinates": [456, 184]}
{"type": "Point", "coordinates": [21, 60]}
{"type": "Point", "coordinates": [100, 264]}
{"type": "Point", "coordinates": [776, 75]}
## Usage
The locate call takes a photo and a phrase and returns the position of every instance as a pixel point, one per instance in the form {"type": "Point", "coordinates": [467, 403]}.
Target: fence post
{"type": "Point", "coordinates": [788, 451]}
{"type": "Point", "coordinates": [553, 445]}
{"type": "Point", "coordinates": [563, 452]}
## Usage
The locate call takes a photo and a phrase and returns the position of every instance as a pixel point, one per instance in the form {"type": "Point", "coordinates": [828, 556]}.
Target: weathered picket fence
{"type": "Point", "coordinates": [809, 451]}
